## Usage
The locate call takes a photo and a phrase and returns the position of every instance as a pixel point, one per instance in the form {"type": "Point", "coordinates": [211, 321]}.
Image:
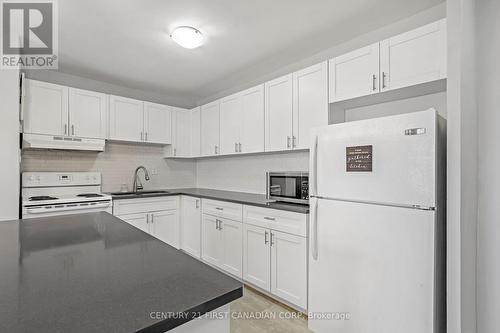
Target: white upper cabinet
{"type": "Point", "coordinates": [126, 119]}
{"type": "Point", "coordinates": [195, 126]}
{"type": "Point", "coordinates": [210, 129]}
{"type": "Point", "coordinates": [181, 144]}
{"type": "Point", "coordinates": [414, 57]}
{"type": "Point", "coordinates": [230, 123]}
{"type": "Point", "coordinates": [278, 112]}
{"type": "Point", "coordinates": [310, 103]}
{"type": "Point", "coordinates": [88, 111]}
{"type": "Point", "coordinates": [355, 74]}
{"type": "Point", "coordinates": [46, 108]}
{"type": "Point", "coordinates": [157, 123]}
{"type": "Point", "coordinates": [252, 120]}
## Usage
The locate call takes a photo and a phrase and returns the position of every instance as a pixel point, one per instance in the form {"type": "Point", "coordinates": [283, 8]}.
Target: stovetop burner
{"type": "Point", "coordinates": [90, 195]}
{"type": "Point", "coordinates": [42, 198]}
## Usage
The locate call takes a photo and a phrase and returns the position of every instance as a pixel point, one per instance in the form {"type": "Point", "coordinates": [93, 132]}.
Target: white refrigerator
{"type": "Point", "coordinates": [377, 238]}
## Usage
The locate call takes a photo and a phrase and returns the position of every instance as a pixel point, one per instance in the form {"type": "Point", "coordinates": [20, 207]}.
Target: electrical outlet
{"type": "Point", "coordinates": [154, 172]}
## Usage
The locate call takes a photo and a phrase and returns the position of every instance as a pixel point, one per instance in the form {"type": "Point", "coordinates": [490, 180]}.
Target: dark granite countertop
{"type": "Point", "coordinates": [96, 273]}
{"type": "Point", "coordinates": [230, 196]}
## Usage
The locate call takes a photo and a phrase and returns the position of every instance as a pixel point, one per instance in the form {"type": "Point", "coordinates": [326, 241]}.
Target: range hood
{"type": "Point", "coordinates": [40, 141]}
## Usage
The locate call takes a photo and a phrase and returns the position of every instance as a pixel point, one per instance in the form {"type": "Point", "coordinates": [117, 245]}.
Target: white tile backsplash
{"type": "Point", "coordinates": [117, 165]}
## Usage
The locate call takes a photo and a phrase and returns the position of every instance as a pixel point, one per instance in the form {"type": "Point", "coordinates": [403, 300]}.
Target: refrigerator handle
{"type": "Point", "coordinates": [314, 168]}
{"type": "Point", "coordinates": [314, 229]}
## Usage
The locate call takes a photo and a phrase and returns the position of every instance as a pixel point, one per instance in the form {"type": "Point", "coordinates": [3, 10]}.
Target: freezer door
{"type": "Point", "coordinates": [402, 172]}
{"type": "Point", "coordinates": [374, 269]}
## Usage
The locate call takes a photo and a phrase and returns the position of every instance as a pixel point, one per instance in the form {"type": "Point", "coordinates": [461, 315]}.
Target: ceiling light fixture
{"type": "Point", "coordinates": [187, 37]}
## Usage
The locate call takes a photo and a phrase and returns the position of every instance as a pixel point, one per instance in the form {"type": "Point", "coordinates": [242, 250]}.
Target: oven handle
{"type": "Point", "coordinates": [41, 210]}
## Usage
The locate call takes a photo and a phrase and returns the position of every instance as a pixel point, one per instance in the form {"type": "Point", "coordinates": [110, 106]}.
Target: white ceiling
{"type": "Point", "coordinates": [126, 42]}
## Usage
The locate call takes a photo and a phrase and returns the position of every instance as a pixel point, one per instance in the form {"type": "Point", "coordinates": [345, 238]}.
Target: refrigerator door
{"type": "Point", "coordinates": [401, 150]}
{"type": "Point", "coordinates": [374, 268]}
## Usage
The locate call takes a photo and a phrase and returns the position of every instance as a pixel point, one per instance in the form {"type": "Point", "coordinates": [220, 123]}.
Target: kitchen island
{"type": "Point", "coordinates": [96, 273]}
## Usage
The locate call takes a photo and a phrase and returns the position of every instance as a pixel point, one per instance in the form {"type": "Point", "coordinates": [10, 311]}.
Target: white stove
{"type": "Point", "coordinates": [60, 193]}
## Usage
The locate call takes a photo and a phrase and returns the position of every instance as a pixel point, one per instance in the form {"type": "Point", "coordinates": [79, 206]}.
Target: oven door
{"type": "Point", "coordinates": [30, 212]}
{"type": "Point", "coordinates": [288, 187]}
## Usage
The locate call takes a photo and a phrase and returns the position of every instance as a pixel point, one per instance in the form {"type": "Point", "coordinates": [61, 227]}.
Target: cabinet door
{"type": "Point", "coordinates": [232, 247]}
{"type": "Point", "coordinates": [414, 57]}
{"type": "Point", "coordinates": [191, 225]}
{"type": "Point", "coordinates": [355, 74]}
{"type": "Point", "coordinates": [310, 103]}
{"type": "Point", "coordinates": [165, 227]}
{"type": "Point", "coordinates": [157, 126]}
{"type": "Point", "coordinates": [289, 267]}
{"type": "Point", "coordinates": [278, 110]}
{"type": "Point", "coordinates": [211, 240]}
{"type": "Point", "coordinates": [140, 221]}
{"type": "Point", "coordinates": [87, 113]}
{"type": "Point", "coordinates": [230, 123]}
{"type": "Point", "coordinates": [210, 129]}
{"type": "Point", "coordinates": [182, 146]}
{"type": "Point", "coordinates": [252, 120]}
{"type": "Point", "coordinates": [195, 132]}
{"type": "Point", "coordinates": [256, 256]}
{"type": "Point", "coordinates": [126, 119]}
{"type": "Point", "coordinates": [46, 108]}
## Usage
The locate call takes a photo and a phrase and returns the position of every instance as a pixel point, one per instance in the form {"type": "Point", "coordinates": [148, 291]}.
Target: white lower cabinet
{"type": "Point", "coordinates": [191, 225]}
{"type": "Point", "coordinates": [222, 241]}
{"type": "Point", "coordinates": [158, 217]}
{"type": "Point", "coordinates": [273, 260]}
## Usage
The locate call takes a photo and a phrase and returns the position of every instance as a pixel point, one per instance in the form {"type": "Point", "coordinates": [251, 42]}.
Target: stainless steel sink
{"type": "Point", "coordinates": [139, 193]}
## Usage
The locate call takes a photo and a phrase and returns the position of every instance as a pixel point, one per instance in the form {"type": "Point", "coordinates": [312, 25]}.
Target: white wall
{"type": "Point", "coordinates": [488, 276]}
{"type": "Point", "coordinates": [117, 165]}
{"type": "Point", "coordinates": [9, 144]}
{"type": "Point", "coordinates": [462, 167]}
{"type": "Point", "coordinates": [247, 173]}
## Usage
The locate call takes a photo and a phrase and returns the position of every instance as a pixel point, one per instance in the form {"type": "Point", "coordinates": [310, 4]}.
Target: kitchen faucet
{"type": "Point", "coordinates": [137, 182]}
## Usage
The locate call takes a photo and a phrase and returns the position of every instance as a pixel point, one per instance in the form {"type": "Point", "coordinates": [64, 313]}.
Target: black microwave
{"type": "Point", "coordinates": [288, 187]}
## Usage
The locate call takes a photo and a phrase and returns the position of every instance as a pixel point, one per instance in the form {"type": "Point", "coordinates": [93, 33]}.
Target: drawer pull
{"type": "Point", "coordinates": [269, 218]}
{"type": "Point", "coordinates": [218, 208]}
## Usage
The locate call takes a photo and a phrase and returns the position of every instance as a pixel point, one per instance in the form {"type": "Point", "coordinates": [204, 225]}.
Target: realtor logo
{"type": "Point", "coordinates": [29, 34]}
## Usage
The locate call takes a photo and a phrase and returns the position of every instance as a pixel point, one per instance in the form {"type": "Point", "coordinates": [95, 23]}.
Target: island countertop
{"type": "Point", "coordinates": [96, 273]}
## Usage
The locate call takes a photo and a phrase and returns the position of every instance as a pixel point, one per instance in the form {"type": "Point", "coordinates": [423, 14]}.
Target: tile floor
{"type": "Point", "coordinates": [257, 313]}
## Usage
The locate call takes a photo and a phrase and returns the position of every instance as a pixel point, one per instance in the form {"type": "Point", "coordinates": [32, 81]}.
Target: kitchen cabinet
{"type": "Point", "coordinates": [45, 108]}
{"type": "Point", "coordinates": [88, 113]}
{"type": "Point", "coordinates": [355, 74]}
{"type": "Point", "coordinates": [181, 143]}
{"type": "Point", "coordinates": [210, 122]}
{"type": "Point", "coordinates": [275, 253]}
{"type": "Point", "coordinates": [230, 123]}
{"type": "Point", "coordinates": [414, 57]}
{"type": "Point", "coordinates": [242, 122]}
{"type": "Point", "coordinates": [278, 113]}
{"type": "Point", "coordinates": [191, 225]}
{"type": "Point", "coordinates": [211, 240]}
{"type": "Point", "coordinates": [157, 123]}
{"type": "Point", "coordinates": [310, 103]}
{"type": "Point", "coordinates": [289, 267]}
{"type": "Point", "coordinates": [232, 242]}
{"type": "Point", "coordinates": [195, 119]}
{"type": "Point", "coordinates": [256, 256]}
{"type": "Point", "coordinates": [126, 119]}
{"type": "Point", "coordinates": [158, 217]}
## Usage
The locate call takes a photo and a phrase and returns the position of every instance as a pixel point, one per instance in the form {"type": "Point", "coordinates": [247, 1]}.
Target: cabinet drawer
{"type": "Point", "coordinates": [223, 209]}
{"type": "Point", "coordinates": [145, 205]}
{"type": "Point", "coordinates": [279, 220]}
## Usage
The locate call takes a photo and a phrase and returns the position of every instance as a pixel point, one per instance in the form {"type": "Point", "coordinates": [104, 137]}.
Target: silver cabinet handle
{"type": "Point", "coordinates": [197, 204]}
{"type": "Point", "coordinates": [384, 75]}
{"type": "Point", "coordinates": [269, 218]}
{"type": "Point", "coordinates": [374, 82]}
{"type": "Point", "coordinates": [314, 229]}
{"type": "Point", "coordinates": [220, 225]}
{"type": "Point", "coordinates": [294, 141]}
{"type": "Point", "coordinates": [216, 150]}
{"type": "Point", "coordinates": [272, 239]}
{"type": "Point", "coordinates": [216, 224]}
{"type": "Point", "coordinates": [152, 218]}
{"type": "Point", "coordinates": [175, 151]}
{"type": "Point", "coordinates": [288, 142]}
{"type": "Point", "coordinates": [218, 208]}
{"type": "Point", "coordinates": [235, 147]}
{"type": "Point", "coordinates": [265, 238]}
{"type": "Point", "coordinates": [65, 129]}
{"type": "Point", "coordinates": [147, 218]}
{"type": "Point", "coordinates": [142, 136]}
{"type": "Point", "coordinates": [239, 145]}
{"type": "Point", "coordinates": [146, 137]}
{"type": "Point", "coordinates": [73, 130]}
